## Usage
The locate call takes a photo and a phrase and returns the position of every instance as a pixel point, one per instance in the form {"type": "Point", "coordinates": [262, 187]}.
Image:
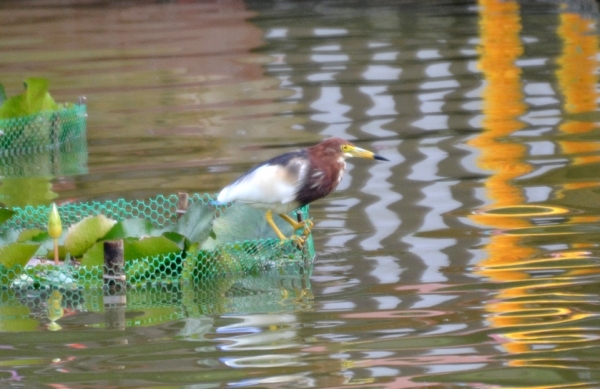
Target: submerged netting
{"type": "Point", "coordinates": [285, 287]}
{"type": "Point", "coordinates": [42, 131]}
{"type": "Point", "coordinates": [69, 158]}
{"type": "Point", "coordinates": [250, 249]}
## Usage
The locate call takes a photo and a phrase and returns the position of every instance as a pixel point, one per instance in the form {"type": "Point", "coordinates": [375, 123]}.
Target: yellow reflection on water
{"type": "Point", "coordinates": [500, 25]}
{"type": "Point", "coordinates": [524, 210]}
{"type": "Point", "coordinates": [577, 67]}
{"type": "Point", "coordinates": [529, 313]}
{"type": "Point", "coordinates": [577, 78]}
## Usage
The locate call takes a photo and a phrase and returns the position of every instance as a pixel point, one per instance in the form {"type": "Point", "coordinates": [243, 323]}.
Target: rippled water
{"type": "Point", "coordinates": [469, 260]}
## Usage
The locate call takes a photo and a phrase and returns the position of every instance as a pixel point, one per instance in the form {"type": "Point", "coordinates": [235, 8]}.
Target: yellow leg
{"type": "Point", "coordinates": [296, 225]}
{"type": "Point", "coordinates": [298, 241]}
{"type": "Point", "coordinates": [269, 216]}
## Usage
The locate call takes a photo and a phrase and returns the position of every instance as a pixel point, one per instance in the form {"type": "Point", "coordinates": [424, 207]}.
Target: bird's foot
{"type": "Point", "coordinates": [308, 225]}
{"type": "Point", "coordinates": [302, 225]}
{"type": "Point", "coordinates": [306, 231]}
{"type": "Point", "coordinates": [297, 241]}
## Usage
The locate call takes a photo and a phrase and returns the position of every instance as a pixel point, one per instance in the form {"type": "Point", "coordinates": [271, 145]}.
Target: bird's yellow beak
{"type": "Point", "coordinates": [357, 152]}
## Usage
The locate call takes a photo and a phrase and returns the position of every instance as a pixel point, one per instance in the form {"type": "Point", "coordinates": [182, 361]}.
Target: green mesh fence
{"type": "Point", "coordinates": [42, 131]}
{"type": "Point", "coordinates": [247, 257]}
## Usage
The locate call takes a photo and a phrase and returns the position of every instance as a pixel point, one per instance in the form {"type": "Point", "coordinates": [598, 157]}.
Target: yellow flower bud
{"type": "Point", "coordinates": [54, 223]}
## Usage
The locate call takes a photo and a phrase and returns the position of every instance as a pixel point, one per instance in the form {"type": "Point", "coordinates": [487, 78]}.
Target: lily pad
{"type": "Point", "coordinates": [35, 99]}
{"type": "Point", "coordinates": [94, 256]}
{"type": "Point", "coordinates": [132, 228]}
{"type": "Point", "coordinates": [6, 214]}
{"type": "Point", "coordinates": [196, 223]}
{"type": "Point", "coordinates": [17, 254]}
{"type": "Point", "coordinates": [33, 235]}
{"type": "Point", "coordinates": [133, 248]}
{"type": "Point", "coordinates": [180, 240]}
{"type": "Point", "coordinates": [148, 247]}
{"type": "Point", "coordinates": [82, 235]}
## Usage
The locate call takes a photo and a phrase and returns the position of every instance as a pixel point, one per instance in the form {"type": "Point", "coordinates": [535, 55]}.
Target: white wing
{"type": "Point", "coordinates": [267, 185]}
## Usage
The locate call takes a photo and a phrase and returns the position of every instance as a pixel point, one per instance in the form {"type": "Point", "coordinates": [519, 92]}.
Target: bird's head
{"type": "Point", "coordinates": [345, 149]}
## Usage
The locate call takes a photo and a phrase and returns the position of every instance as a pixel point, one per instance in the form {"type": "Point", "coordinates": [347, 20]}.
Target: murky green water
{"type": "Point", "coordinates": [469, 260]}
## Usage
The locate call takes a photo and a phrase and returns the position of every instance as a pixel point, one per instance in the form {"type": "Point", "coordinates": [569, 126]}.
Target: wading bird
{"type": "Point", "coordinates": [294, 179]}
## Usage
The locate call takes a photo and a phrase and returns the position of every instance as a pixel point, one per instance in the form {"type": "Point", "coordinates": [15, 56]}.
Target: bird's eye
{"type": "Point", "coordinates": [345, 148]}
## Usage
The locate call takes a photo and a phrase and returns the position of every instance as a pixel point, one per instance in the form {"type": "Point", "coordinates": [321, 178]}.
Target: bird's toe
{"type": "Point", "coordinates": [298, 241]}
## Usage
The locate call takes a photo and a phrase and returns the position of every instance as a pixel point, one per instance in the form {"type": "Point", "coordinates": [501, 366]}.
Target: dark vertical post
{"type": "Point", "coordinates": [114, 261]}
{"type": "Point", "coordinates": [115, 298]}
{"type": "Point", "coordinates": [182, 204]}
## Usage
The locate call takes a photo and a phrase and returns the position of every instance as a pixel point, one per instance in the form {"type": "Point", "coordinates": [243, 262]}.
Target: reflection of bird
{"type": "Point", "coordinates": [294, 179]}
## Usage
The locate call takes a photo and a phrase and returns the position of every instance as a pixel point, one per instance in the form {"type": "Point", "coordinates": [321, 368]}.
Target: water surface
{"type": "Point", "coordinates": [469, 260]}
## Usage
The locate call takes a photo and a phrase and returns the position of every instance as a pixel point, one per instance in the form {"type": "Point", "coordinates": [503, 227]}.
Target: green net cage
{"type": "Point", "coordinates": [256, 273]}
{"type": "Point", "coordinates": [42, 131]}
{"type": "Point", "coordinates": [246, 247]}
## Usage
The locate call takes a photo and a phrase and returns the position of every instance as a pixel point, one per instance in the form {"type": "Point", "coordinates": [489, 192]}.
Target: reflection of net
{"type": "Point", "coordinates": [233, 259]}
{"type": "Point", "coordinates": [68, 159]}
{"type": "Point", "coordinates": [25, 310]}
{"type": "Point", "coordinates": [42, 131]}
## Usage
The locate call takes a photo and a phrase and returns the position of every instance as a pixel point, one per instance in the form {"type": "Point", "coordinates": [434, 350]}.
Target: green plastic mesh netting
{"type": "Point", "coordinates": [42, 131]}
{"type": "Point", "coordinates": [246, 257]}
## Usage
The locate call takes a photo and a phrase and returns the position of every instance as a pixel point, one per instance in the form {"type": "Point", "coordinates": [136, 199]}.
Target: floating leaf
{"type": "Point", "coordinates": [35, 99]}
{"type": "Point", "coordinates": [33, 235]}
{"type": "Point", "coordinates": [181, 241]}
{"type": "Point", "coordinates": [94, 256]}
{"type": "Point", "coordinates": [46, 249]}
{"type": "Point", "coordinates": [6, 214]}
{"type": "Point", "coordinates": [132, 228]}
{"type": "Point", "coordinates": [82, 235]}
{"type": "Point", "coordinates": [48, 246]}
{"type": "Point", "coordinates": [196, 223]}
{"type": "Point", "coordinates": [149, 247]}
{"type": "Point", "coordinates": [17, 254]}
